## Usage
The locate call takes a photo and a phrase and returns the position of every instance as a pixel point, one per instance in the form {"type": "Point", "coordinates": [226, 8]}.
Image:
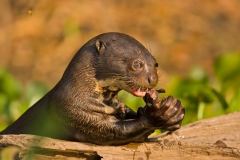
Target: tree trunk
{"type": "Point", "coordinates": [215, 138]}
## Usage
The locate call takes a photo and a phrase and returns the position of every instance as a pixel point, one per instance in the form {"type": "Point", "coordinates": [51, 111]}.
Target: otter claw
{"type": "Point", "coordinates": [121, 111]}
{"type": "Point", "coordinates": [161, 90]}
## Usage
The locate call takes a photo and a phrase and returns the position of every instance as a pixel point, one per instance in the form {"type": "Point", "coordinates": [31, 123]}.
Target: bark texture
{"type": "Point", "coordinates": [215, 138]}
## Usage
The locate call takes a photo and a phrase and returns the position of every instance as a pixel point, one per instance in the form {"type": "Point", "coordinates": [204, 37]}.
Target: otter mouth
{"type": "Point", "coordinates": [132, 88]}
{"type": "Point", "coordinates": [139, 91]}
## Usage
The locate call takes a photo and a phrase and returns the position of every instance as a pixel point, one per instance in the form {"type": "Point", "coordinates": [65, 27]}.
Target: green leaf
{"type": "Point", "coordinates": [234, 104]}
{"type": "Point", "coordinates": [220, 98]}
{"type": "Point", "coordinates": [35, 91]}
{"type": "Point", "coordinates": [9, 85]}
{"type": "Point", "coordinates": [227, 69]}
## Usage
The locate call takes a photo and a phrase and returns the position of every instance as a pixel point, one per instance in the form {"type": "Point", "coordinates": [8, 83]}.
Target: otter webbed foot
{"type": "Point", "coordinates": [166, 114]}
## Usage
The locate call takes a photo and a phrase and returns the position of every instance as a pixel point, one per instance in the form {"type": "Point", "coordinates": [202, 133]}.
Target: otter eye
{"type": "Point", "coordinates": [156, 64]}
{"type": "Point", "coordinates": [137, 65]}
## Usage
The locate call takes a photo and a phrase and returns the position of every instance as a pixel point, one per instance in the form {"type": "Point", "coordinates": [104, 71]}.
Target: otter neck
{"type": "Point", "coordinates": [79, 76]}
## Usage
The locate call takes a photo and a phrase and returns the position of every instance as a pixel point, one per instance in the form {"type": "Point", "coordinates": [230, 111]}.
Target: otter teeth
{"type": "Point", "coordinates": [139, 90]}
{"type": "Point", "coordinates": [142, 90]}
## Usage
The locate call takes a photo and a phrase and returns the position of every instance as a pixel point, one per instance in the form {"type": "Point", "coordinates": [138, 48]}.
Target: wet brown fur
{"type": "Point", "coordinates": [83, 106]}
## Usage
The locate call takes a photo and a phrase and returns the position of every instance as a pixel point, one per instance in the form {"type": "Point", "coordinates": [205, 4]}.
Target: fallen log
{"type": "Point", "coordinates": [214, 138]}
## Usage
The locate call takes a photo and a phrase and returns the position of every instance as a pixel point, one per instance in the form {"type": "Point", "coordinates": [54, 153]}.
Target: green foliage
{"type": "Point", "coordinates": [9, 153]}
{"type": "Point", "coordinates": [205, 97]}
{"type": "Point", "coordinates": [16, 99]}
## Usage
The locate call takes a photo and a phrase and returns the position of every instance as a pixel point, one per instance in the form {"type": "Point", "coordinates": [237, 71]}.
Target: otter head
{"type": "Point", "coordinates": [122, 63]}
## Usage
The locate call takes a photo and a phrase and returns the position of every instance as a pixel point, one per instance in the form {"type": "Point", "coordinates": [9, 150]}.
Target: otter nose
{"type": "Point", "coordinates": [152, 80]}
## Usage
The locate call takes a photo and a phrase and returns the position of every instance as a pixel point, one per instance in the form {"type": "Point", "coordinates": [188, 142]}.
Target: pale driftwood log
{"type": "Point", "coordinates": [215, 138]}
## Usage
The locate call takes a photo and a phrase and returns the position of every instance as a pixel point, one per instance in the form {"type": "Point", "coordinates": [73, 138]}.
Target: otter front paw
{"type": "Point", "coordinates": [121, 110]}
{"type": "Point", "coordinates": [166, 114]}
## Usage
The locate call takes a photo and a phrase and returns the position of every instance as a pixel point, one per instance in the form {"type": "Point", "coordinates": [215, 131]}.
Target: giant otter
{"type": "Point", "coordinates": [83, 106]}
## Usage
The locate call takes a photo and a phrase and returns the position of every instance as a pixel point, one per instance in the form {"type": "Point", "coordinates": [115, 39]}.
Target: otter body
{"type": "Point", "coordinates": [83, 106]}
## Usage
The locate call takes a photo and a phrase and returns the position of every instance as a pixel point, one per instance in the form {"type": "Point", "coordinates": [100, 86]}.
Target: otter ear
{"type": "Point", "coordinates": [100, 45]}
